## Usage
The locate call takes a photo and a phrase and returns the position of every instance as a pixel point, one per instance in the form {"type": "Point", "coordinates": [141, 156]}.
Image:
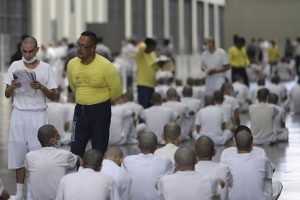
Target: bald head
{"type": "Point", "coordinates": [30, 40]}
{"type": "Point", "coordinates": [209, 100]}
{"type": "Point", "coordinates": [204, 148]}
{"type": "Point", "coordinates": [114, 154]}
{"type": "Point", "coordinates": [171, 131]}
{"type": "Point", "coordinates": [273, 98]}
{"type": "Point", "coordinates": [148, 142]}
{"type": "Point", "coordinates": [219, 97]}
{"type": "Point", "coordinates": [172, 94]}
{"type": "Point", "coordinates": [156, 99]}
{"type": "Point", "coordinates": [93, 159]}
{"type": "Point", "coordinates": [46, 133]}
{"type": "Point", "coordinates": [184, 159]}
{"type": "Point", "coordinates": [263, 94]}
{"type": "Point", "coordinates": [187, 91]}
{"type": "Point", "coordinates": [243, 139]}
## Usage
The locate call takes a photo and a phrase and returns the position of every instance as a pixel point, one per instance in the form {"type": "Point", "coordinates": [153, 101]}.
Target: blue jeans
{"type": "Point", "coordinates": [91, 122]}
{"type": "Point", "coordinates": [144, 95]}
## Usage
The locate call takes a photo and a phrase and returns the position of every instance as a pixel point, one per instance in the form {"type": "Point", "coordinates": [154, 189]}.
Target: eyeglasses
{"type": "Point", "coordinates": [82, 46]}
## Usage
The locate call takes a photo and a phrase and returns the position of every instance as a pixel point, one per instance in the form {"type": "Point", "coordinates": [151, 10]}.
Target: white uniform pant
{"type": "Point", "coordinates": [267, 140]}
{"type": "Point", "coordinates": [282, 135]}
{"type": "Point", "coordinates": [23, 138]}
{"type": "Point", "coordinates": [213, 83]}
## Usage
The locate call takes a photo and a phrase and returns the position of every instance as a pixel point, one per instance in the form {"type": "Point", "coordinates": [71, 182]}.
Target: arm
{"type": "Point", "coordinates": [237, 116]}
{"type": "Point", "coordinates": [49, 93]}
{"type": "Point", "coordinates": [9, 89]}
{"type": "Point", "coordinates": [114, 83]}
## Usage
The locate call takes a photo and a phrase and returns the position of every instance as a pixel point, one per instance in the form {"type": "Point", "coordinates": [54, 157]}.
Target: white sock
{"type": "Point", "coordinates": [19, 193]}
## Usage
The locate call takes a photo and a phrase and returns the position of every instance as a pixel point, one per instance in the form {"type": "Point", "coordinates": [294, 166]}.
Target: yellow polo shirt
{"type": "Point", "coordinates": [238, 57]}
{"type": "Point", "coordinates": [273, 53]}
{"type": "Point", "coordinates": [94, 83]}
{"type": "Point", "coordinates": [145, 69]}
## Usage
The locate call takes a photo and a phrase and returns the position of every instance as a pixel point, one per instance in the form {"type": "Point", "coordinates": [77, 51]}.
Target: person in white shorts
{"type": "Point", "coordinates": [157, 116]}
{"type": "Point", "coordinates": [181, 109]}
{"type": "Point", "coordinates": [172, 137]}
{"type": "Point", "coordinates": [88, 183]}
{"type": "Point", "coordinates": [262, 117]}
{"type": "Point", "coordinates": [256, 183]}
{"type": "Point", "coordinates": [46, 166]}
{"type": "Point", "coordinates": [210, 121]}
{"type": "Point", "coordinates": [111, 166]}
{"type": "Point", "coordinates": [214, 63]}
{"type": "Point", "coordinates": [29, 106]}
{"type": "Point", "coordinates": [146, 168]}
{"type": "Point", "coordinates": [205, 150]}
{"type": "Point", "coordinates": [279, 128]}
{"type": "Point", "coordinates": [186, 183]}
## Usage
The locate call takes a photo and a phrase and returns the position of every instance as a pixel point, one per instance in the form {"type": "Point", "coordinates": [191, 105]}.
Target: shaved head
{"type": "Point", "coordinates": [113, 152]}
{"type": "Point", "coordinates": [204, 147]}
{"type": "Point", "coordinates": [148, 142]}
{"type": "Point", "coordinates": [46, 133]}
{"type": "Point", "coordinates": [185, 158]}
{"type": "Point", "coordinates": [187, 91]}
{"type": "Point", "coordinates": [172, 131]}
{"type": "Point", "coordinates": [172, 93]}
{"type": "Point", "coordinates": [93, 159]}
{"type": "Point", "coordinates": [209, 100]}
{"type": "Point", "coordinates": [30, 40]}
{"type": "Point", "coordinates": [243, 138]}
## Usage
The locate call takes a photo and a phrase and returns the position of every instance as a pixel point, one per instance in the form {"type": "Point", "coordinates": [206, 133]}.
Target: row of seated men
{"type": "Point", "coordinates": [216, 119]}
{"type": "Point", "coordinates": [181, 105]}
{"type": "Point", "coordinates": [168, 173]}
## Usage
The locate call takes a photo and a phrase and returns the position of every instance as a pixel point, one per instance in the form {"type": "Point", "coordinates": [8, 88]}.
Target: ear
{"type": "Point", "coordinates": [37, 49]}
{"type": "Point", "coordinates": [215, 152]}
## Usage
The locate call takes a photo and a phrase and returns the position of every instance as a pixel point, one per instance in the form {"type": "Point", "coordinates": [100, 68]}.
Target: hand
{"type": "Point", "coordinates": [211, 71]}
{"type": "Point", "coordinates": [15, 84]}
{"type": "Point", "coordinates": [36, 85]}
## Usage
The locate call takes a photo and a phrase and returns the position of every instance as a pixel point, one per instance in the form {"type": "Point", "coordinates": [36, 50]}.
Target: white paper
{"type": "Point", "coordinates": [25, 77]}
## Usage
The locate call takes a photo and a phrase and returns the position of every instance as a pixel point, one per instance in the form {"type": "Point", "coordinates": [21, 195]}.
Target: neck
{"type": "Point", "coordinates": [211, 50]}
{"type": "Point", "coordinates": [205, 159]}
{"type": "Point", "coordinates": [88, 60]}
{"type": "Point", "coordinates": [243, 151]}
{"type": "Point", "coordinates": [185, 168]}
{"type": "Point", "coordinates": [32, 65]}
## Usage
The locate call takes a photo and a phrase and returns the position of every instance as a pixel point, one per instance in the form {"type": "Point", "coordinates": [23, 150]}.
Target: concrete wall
{"type": "Point", "coordinates": [268, 19]}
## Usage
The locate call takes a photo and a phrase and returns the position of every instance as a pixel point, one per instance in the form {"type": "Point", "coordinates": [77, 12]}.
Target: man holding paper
{"type": "Point", "coordinates": [29, 81]}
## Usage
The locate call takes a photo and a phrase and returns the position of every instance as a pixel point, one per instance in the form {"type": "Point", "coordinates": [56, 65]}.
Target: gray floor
{"type": "Point", "coordinates": [285, 156]}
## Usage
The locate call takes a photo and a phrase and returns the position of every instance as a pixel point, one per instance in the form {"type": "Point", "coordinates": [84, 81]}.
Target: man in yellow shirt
{"type": "Point", "coordinates": [238, 59]}
{"type": "Point", "coordinates": [273, 53]}
{"type": "Point", "coordinates": [95, 83]}
{"type": "Point", "coordinates": [145, 57]}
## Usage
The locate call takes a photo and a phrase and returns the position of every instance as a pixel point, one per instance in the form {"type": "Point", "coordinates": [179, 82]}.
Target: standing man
{"type": "Point", "coordinates": [95, 83]}
{"type": "Point", "coordinates": [238, 59]}
{"type": "Point", "coordinates": [214, 63]}
{"type": "Point", "coordinates": [29, 106]}
{"type": "Point", "coordinates": [145, 57]}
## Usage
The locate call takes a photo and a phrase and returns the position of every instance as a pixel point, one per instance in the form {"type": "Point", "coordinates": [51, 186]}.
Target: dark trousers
{"type": "Point", "coordinates": [241, 71]}
{"type": "Point", "coordinates": [144, 95]}
{"type": "Point", "coordinates": [91, 122]}
{"type": "Point", "coordinates": [297, 64]}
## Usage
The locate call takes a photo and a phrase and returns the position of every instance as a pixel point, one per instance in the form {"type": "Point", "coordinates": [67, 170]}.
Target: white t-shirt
{"type": "Point", "coordinates": [156, 117]}
{"type": "Point", "coordinates": [295, 96]}
{"type": "Point", "coordinates": [188, 185]}
{"type": "Point", "coordinates": [232, 151]}
{"type": "Point", "coordinates": [135, 107]}
{"type": "Point", "coordinates": [210, 119]}
{"type": "Point", "coordinates": [57, 116]}
{"type": "Point", "coordinates": [261, 117]}
{"type": "Point", "coordinates": [46, 167]}
{"type": "Point", "coordinates": [120, 124]}
{"type": "Point", "coordinates": [253, 93]}
{"type": "Point", "coordinates": [232, 101]}
{"type": "Point", "coordinates": [215, 60]}
{"type": "Point", "coordinates": [277, 89]}
{"type": "Point", "coordinates": [167, 151]}
{"type": "Point", "coordinates": [252, 177]}
{"type": "Point", "coordinates": [37, 100]}
{"type": "Point", "coordinates": [217, 170]}
{"type": "Point", "coordinates": [120, 176]}
{"type": "Point", "coordinates": [227, 111]}
{"type": "Point", "coordinates": [87, 184]}
{"type": "Point", "coordinates": [243, 92]}
{"type": "Point", "coordinates": [146, 169]}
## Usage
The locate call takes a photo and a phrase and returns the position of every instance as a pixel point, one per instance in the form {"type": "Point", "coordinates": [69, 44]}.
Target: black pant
{"type": "Point", "coordinates": [144, 95]}
{"type": "Point", "coordinates": [297, 64]}
{"type": "Point", "coordinates": [91, 122]}
{"type": "Point", "coordinates": [241, 71]}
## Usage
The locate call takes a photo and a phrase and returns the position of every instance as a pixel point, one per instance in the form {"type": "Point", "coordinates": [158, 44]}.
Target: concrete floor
{"type": "Point", "coordinates": [285, 156]}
